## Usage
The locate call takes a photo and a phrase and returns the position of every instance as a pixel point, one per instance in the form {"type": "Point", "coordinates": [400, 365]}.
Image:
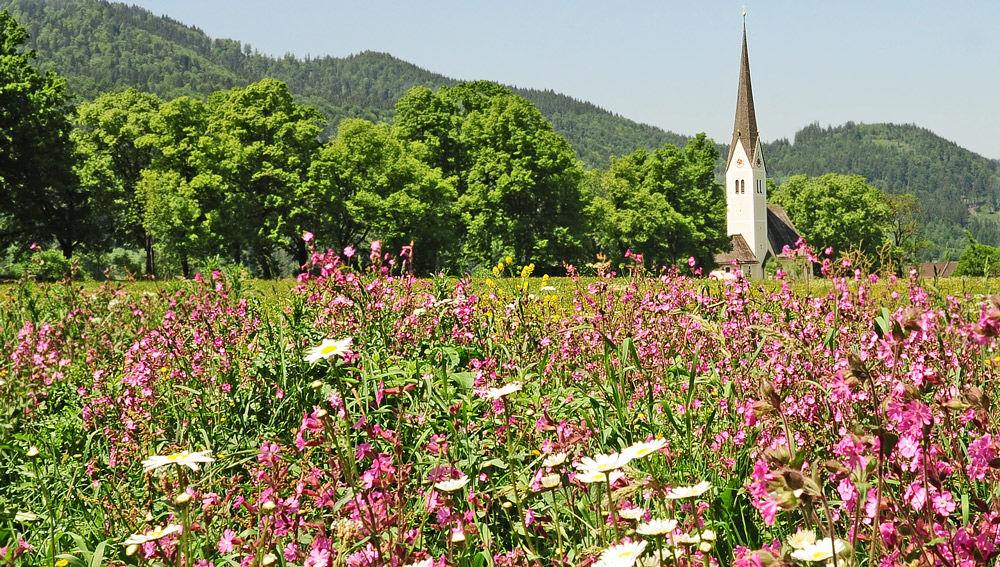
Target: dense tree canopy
{"type": "Point", "coordinates": [111, 161]}
{"type": "Point", "coordinates": [665, 205]}
{"type": "Point", "coordinates": [517, 181]}
{"type": "Point", "coordinates": [258, 144]}
{"type": "Point", "coordinates": [366, 184]}
{"type": "Point", "coordinates": [839, 211]}
{"type": "Point", "coordinates": [39, 196]}
{"type": "Point", "coordinates": [979, 260]}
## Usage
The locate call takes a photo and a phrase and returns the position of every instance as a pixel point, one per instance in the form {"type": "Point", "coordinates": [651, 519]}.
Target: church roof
{"type": "Point", "coordinates": [740, 252]}
{"type": "Point", "coordinates": [780, 230]}
{"type": "Point", "coordinates": [745, 128]}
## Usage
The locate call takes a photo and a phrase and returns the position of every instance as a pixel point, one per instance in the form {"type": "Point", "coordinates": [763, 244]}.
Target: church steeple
{"type": "Point", "coordinates": [746, 180]}
{"type": "Point", "coordinates": [745, 129]}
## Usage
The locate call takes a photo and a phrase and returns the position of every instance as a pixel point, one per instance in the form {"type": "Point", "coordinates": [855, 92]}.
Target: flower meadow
{"type": "Point", "coordinates": [370, 418]}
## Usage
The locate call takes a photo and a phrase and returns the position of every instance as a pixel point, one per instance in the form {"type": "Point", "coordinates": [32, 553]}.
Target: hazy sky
{"type": "Point", "coordinates": [670, 63]}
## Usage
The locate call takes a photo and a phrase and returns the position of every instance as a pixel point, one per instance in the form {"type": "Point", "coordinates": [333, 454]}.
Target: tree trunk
{"type": "Point", "coordinates": [301, 254]}
{"type": "Point", "coordinates": [67, 246]}
{"type": "Point", "coordinates": [150, 259]}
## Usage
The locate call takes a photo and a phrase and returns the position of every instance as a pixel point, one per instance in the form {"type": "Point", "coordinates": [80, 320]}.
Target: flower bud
{"type": "Point", "coordinates": [268, 506]}
{"type": "Point", "coordinates": [316, 385]}
{"type": "Point", "coordinates": [269, 559]}
{"type": "Point", "coordinates": [182, 498]}
{"type": "Point", "coordinates": [33, 452]}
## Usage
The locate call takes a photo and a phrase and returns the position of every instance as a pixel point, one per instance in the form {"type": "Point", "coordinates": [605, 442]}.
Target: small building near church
{"type": "Point", "coordinates": [758, 231]}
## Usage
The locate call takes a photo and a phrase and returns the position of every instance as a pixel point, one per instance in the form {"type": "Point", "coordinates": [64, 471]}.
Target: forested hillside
{"type": "Point", "coordinates": [957, 189]}
{"type": "Point", "coordinates": [102, 46]}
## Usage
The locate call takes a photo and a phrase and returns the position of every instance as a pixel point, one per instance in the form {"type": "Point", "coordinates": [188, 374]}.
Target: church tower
{"type": "Point", "coordinates": [746, 179]}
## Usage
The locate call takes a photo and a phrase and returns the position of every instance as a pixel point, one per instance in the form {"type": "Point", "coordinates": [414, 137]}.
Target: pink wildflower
{"type": "Point", "coordinates": [226, 541]}
{"type": "Point", "coordinates": [317, 558]}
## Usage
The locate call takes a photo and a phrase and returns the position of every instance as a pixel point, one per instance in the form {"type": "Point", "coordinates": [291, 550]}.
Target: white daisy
{"type": "Point", "coordinates": [550, 481]}
{"type": "Point", "coordinates": [453, 484]}
{"type": "Point", "coordinates": [686, 538]}
{"type": "Point", "coordinates": [554, 460]}
{"type": "Point", "coordinates": [497, 393]}
{"type": "Point", "coordinates": [820, 551]}
{"type": "Point", "coordinates": [657, 526]}
{"type": "Point", "coordinates": [631, 513]}
{"type": "Point", "coordinates": [689, 491]}
{"type": "Point", "coordinates": [801, 539]}
{"type": "Point", "coordinates": [184, 458]}
{"type": "Point", "coordinates": [327, 349]}
{"type": "Point", "coordinates": [644, 448]}
{"type": "Point", "coordinates": [603, 463]}
{"type": "Point", "coordinates": [588, 477]}
{"type": "Point", "coordinates": [623, 554]}
{"type": "Point", "coordinates": [156, 533]}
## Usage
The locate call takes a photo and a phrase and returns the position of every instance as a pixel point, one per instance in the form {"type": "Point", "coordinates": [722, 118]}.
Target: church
{"type": "Point", "coordinates": [758, 231]}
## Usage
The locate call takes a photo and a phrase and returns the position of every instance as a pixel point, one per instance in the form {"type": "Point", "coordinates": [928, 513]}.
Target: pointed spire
{"type": "Point", "coordinates": [745, 129]}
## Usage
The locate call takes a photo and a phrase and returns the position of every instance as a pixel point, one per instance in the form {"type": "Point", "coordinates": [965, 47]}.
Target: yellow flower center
{"type": "Point", "coordinates": [330, 349]}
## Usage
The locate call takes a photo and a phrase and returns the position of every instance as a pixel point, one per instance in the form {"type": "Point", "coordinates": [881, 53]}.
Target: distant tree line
{"type": "Point", "coordinates": [466, 174]}
{"type": "Point", "coordinates": [102, 46]}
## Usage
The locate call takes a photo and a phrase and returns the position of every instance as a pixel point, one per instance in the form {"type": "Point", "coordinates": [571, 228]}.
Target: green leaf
{"type": "Point", "coordinates": [464, 379]}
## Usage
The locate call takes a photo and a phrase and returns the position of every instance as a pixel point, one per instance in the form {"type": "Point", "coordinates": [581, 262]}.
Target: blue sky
{"type": "Point", "coordinates": [670, 63]}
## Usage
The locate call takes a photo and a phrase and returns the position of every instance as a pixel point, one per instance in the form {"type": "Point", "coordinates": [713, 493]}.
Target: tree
{"type": "Point", "coordinates": [367, 185]}
{"type": "Point", "coordinates": [171, 211]}
{"type": "Point", "coordinates": [839, 211]}
{"type": "Point", "coordinates": [978, 260]}
{"type": "Point", "coordinates": [176, 165]}
{"type": "Point", "coordinates": [39, 197]}
{"type": "Point", "coordinates": [665, 205]}
{"type": "Point", "coordinates": [522, 195]}
{"type": "Point", "coordinates": [111, 160]}
{"type": "Point", "coordinates": [258, 144]}
{"type": "Point", "coordinates": [904, 229]}
{"type": "Point", "coordinates": [517, 181]}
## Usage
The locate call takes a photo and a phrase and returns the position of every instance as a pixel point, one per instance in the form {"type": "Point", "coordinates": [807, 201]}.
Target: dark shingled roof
{"type": "Point", "coordinates": [740, 252]}
{"type": "Point", "coordinates": [746, 119]}
{"type": "Point", "coordinates": [780, 230]}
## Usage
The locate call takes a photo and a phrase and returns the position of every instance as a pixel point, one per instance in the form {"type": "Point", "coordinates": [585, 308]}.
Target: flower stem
{"type": "Point", "coordinates": [611, 507]}
{"type": "Point", "coordinates": [513, 479]}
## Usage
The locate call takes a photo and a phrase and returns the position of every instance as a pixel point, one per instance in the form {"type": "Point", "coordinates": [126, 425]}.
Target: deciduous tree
{"type": "Point", "coordinates": [839, 211]}
{"type": "Point", "coordinates": [366, 185]}
{"type": "Point", "coordinates": [665, 205]}
{"type": "Point", "coordinates": [40, 199]}
{"type": "Point", "coordinates": [111, 161]}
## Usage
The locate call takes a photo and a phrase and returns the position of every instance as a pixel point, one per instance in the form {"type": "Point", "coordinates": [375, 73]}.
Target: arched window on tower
{"type": "Point", "coordinates": [736, 187]}
{"type": "Point", "coordinates": [743, 186]}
